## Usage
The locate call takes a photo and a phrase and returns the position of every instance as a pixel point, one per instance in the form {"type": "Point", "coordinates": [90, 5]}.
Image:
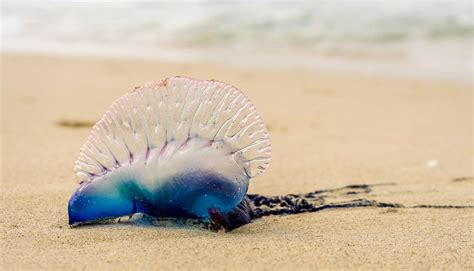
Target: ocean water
{"type": "Point", "coordinates": [402, 38]}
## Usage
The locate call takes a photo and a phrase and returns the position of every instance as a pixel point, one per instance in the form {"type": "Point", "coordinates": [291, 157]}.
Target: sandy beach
{"type": "Point", "coordinates": [410, 140]}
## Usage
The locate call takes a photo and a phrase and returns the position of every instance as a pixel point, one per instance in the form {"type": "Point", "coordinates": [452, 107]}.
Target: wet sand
{"type": "Point", "coordinates": [328, 130]}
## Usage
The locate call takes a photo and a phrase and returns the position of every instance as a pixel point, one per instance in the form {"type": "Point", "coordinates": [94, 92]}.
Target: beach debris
{"type": "Point", "coordinates": [74, 123]}
{"type": "Point", "coordinates": [432, 163]}
{"type": "Point", "coordinates": [179, 147]}
{"type": "Point", "coordinates": [463, 179]}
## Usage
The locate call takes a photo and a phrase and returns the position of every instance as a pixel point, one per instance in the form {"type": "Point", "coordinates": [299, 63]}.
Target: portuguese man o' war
{"type": "Point", "coordinates": [177, 148]}
{"type": "Point", "coordinates": [185, 148]}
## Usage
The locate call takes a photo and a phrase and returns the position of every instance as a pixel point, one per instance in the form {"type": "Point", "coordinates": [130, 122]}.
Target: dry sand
{"type": "Point", "coordinates": [328, 130]}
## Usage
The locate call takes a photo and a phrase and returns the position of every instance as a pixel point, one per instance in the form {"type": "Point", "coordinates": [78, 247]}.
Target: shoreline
{"type": "Point", "coordinates": [404, 61]}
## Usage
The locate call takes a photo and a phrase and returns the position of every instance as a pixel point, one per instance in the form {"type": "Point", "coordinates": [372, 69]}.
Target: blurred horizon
{"type": "Point", "coordinates": [416, 39]}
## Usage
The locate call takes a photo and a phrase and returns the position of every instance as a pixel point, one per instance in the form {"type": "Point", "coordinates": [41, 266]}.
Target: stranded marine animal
{"type": "Point", "coordinates": [176, 148]}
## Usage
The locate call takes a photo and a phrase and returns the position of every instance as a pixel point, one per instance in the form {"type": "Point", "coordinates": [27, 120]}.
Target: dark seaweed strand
{"type": "Point", "coordinates": [295, 204]}
{"type": "Point", "coordinates": [443, 206]}
{"type": "Point", "coordinates": [308, 202]}
{"type": "Point", "coordinates": [318, 200]}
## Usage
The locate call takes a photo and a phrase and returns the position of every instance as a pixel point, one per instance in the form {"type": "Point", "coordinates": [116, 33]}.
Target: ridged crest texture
{"type": "Point", "coordinates": [177, 109]}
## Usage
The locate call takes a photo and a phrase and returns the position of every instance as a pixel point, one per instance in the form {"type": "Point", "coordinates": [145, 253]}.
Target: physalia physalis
{"type": "Point", "coordinates": [176, 148]}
